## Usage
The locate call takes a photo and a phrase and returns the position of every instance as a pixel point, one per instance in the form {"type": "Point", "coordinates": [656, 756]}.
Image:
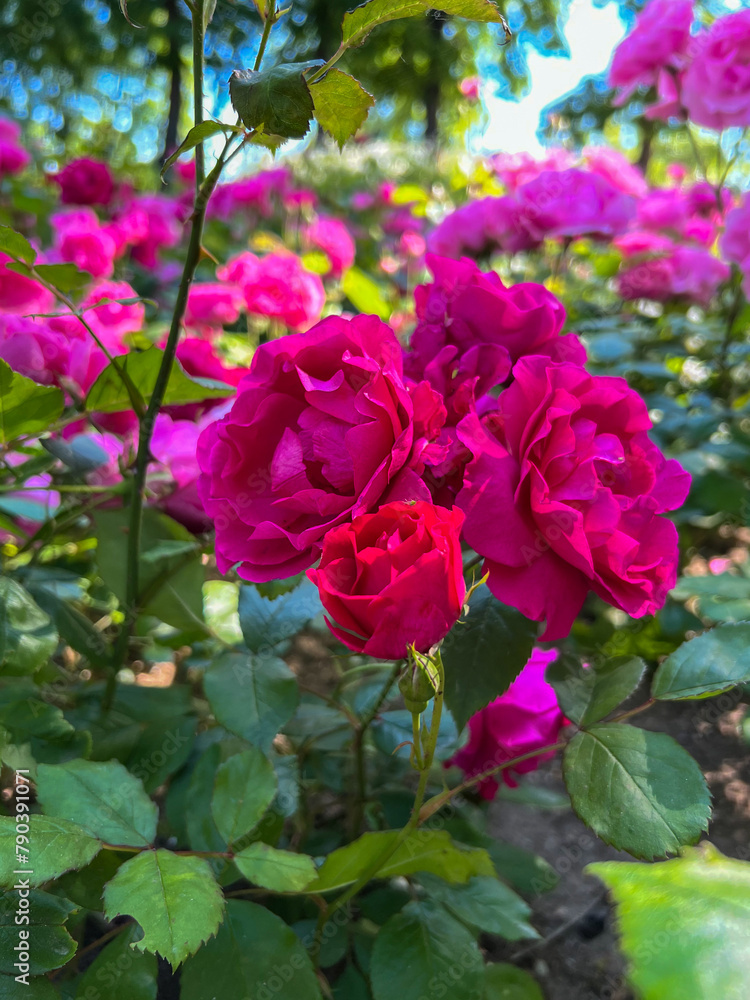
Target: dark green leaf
{"type": "Point", "coordinates": [713, 662]}
{"type": "Point", "coordinates": [245, 787]}
{"type": "Point", "coordinates": [485, 904]}
{"type": "Point", "coordinates": [161, 750]}
{"type": "Point", "coordinates": [351, 985]}
{"type": "Point", "coordinates": [102, 797]}
{"type": "Point", "coordinates": [39, 988]}
{"type": "Point", "coordinates": [55, 846]}
{"type": "Point", "coordinates": [25, 407]}
{"type": "Point", "coordinates": [421, 946]}
{"type": "Point", "coordinates": [16, 245]}
{"type": "Point", "coordinates": [267, 622]}
{"type": "Point", "coordinates": [586, 694]}
{"type": "Point", "coordinates": [507, 982]}
{"type": "Point", "coordinates": [685, 924]}
{"type": "Point", "coordinates": [27, 636]}
{"type": "Point", "coordinates": [484, 654]}
{"type": "Point", "coordinates": [197, 135]}
{"type": "Point", "coordinates": [26, 717]}
{"type": "Point", "coordinates": [639, 791]}
{"type": "Point", "coordinates": [74, 628]}
{"type": "Point", "coordinates": [203, 834]}
{"type": "Point", "coordinates": [280, 871]}
{"type": "Point", "coordinates": [174, 898]}
{"type": "Point", "coordinates": [423, 851]}
{"type": "Point", "coordinates": [50, 945]}
{"type": "Point", "coordinates": [252, 695]}
{"type": "Point", "coordinates": [277, 99]}
{"type": "Point", "coordinates": [254, 955]}
{"type": "Point", "coordinates": [119, 972]}
{"type": "Point", "coordinates": [108, 394]}
{"type": "Point", "coordinates": [526, 872]}
{"type": "Point", "coordinates": [85, 887]}
{"type": "Point", "coordinates": [341, 104]}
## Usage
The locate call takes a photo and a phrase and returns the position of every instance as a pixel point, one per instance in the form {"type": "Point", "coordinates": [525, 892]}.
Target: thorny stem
{"type": "Point", "coordinates": [361, 727]}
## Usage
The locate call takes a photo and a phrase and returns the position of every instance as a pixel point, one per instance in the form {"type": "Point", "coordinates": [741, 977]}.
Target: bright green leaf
{"type": "Point", "coordinates": [280, 871]}
{"type": "Point", "coordinates": [420, 946]}
{"type": "Point", "coordinates": [245, 787]}
{"type": "Point", "coordinates": [341, 104]}
{"type": "Point", "coordinates": [174, 898]}
{"type": "Point", "coordinates": [685, 924]}
{"type": "Point", "coordinates": [50, 945]}
{"type": "Point", "coordinates": [637, 790]}
{"type": "Point", "coordinates": [25, 407]}
{"type": "Point", "coordinates": [253, 950]}
{"type": "Point", "coordinates": [16, 245]}
{"type": "Point", "coordinates": [713, 662]}
{"type": "Point", "coordinates": [119, 972]}
{"type": "Point", "coordinates": [358, 23]}
{"type": "Point", "coordinates": [252, 695]}
{"type": "Point", "coordinates": [483, 655]}
{"type": "Point", "coordinates": [197, 135]}
{"type": "Point", "coordinates": [102, 797]}
{"type": "Point", "coordinates": [365, 294]}
{"type": "Point", "coordinates": [55, 846]}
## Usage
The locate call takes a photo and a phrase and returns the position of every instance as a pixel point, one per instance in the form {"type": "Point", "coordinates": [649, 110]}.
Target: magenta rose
{"type": "Point", "coordinates": [277, 286]}
{"type": "Point", "coordinates": [572, 203]}
{"type": "Point", "coordinates": [321, 430]}
{"type": "Point", "coordinates": [211, 306]}
{"type": "Point", "coordinates": [563, 496]}
{"type": "Point", "coordinates": [616, 168]}
{"type": "Point", "coordinates": [716, 84]}
{"type": "Point", "coordinates": [525, 718]}
{"type": "Point", "coordinates": [481, 227]}
{"type": "Point", "coordinates": [334, 239]}
{"type": "Point", "coordinates": [660, 39]}
{"type": "Point", "coordinates": [393, 578]}
{"type": "Point", "coordinates": [85, 182]}
{"type": "Point", "coordinates": [735, 242]}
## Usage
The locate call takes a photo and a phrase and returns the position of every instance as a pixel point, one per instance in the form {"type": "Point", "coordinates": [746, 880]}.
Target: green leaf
{"type": "Point", "coordinates": [50, 945]}
{"type": "Point", "coordinates": [358, 23]}
{"type": "Point", "coordinates": [341, 104]}
{"type": "Point", "coordinates": [55, 846]}
{"type": "Point", "coordinates": [528, 873]}
{"type": "Point", "coordinates": [351, 985]}
{"type": "Point", "coordinates": [109, 395]}
{"type": "Point", "coordinates": [366, 295]}
{"type": "Point", "coordinates": [280, 871]}
{"type": "Point", "coordinates": [639, 791]}
{"type": "Point", "coordinates": [161, 749]}
{"type": "Point", "coordinates": [16, 245]}
{"type": "Point", "coordinates": [27, 636]}
{"type": "Point", "coordinates": [507, 982]}
{"type": "Point", "coordinates": [25, 407]}
{"type": "Point", "coordinates": [245, 787]}
{"type": "Point", "coordinates": [253, 696]}
{"type": "Point", "coordinates": [197, 135]}
{"type": "Point", "coordinates": [713, 662]}
{"type": "Point", "coordinates": [39, 988]}
{"type": "Point", "coordinates": [102, 797]}
{"type": "Point", "coordinates": [254, 955]}
{"type": "Point", "coordinates": [85, 887]}
{"type": "Point", "coordinates": [119, 972]}
{"type": "Point", "coordinates": [483, 655]}
{"type": "Point", "coordinates": [277, 99]}
{"type": "Point", "coordinates": [65, 278]}
{"type": "Point", "coordinates": [586, 694]}
{"type": "Point", "coordinates": [74, 628]}
{"type": "Point", "coordinates": [202, 832]}
{"type": "Point", "coordinates": [174, 898]}
{"type": "Point", "coordinates": [421, 946]}
{"type": "Point", "coordinates": [485, 904]}
{"type": "Point", "coordinates": [26, 717]}
{"type": "Point", "coordinates": [684, 924]}
{"type": "Point", "coordinates": [266, 622]}
{"type": "Point", "coordinates": [424, 850]}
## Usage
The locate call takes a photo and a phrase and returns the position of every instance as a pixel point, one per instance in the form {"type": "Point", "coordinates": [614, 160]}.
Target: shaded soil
{"type": "Point", "coordinates": [578, 957]}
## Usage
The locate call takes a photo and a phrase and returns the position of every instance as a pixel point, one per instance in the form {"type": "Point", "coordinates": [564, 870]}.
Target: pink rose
{"type": "Point", "coordinates": [211, 306]}
{"type": "Point", "coordinates": [159, 227]}
{"type": "Point", "coordinates": [393, 578]}
{"type": "Point", "coordinates": [570, 203]}
{"type": "Point", "coordinates": [516, 169]}
{"type": "Point", "coordinates": [525, 718]}
{"type": "Point", "coordinates": [659, 39]}
{"type": "Point", "coordinates": [482, 226]}
{"type": "Point", "coordinates": [334, 239]}
{"type": "Point", "coordinates": [13, 158]}
{"type": "Point", "coordinates": [283, 289]}
{"type": "Point", "coordinates": [688, 272]}
{"type": "Point", "coordinates": [469, 87]}
{"type": "Point", "coordinates": [256, 193]}
{"type": "Point", "coordinates": [610, 164]}
{"type": "Point", "coordinates": [21, 295]}
{"type": "Point", "coordinates": [716, 84]}
{"type": "Point", "coordinates": [320, 431]}
{"type": "Point", "coordinates": [51, 356]}
{"type": "Point", "coordinates": [90, 248]}
{"type": "Point", "coordinates": [735, 242]}
{"type": "Point", "coordinates": [563, 496]}
{"type": "Point", "coordinates": [112, 320]}
{"type": "Point", "coordinates": [85, 182]}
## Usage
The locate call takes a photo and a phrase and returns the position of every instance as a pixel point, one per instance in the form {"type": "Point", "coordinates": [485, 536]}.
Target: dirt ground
{"type": "Point", "coordinates": [578, 957]}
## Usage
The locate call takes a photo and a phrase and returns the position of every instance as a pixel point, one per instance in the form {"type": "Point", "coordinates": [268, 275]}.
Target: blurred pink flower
{"type": "Point", "coordinates": [659, 39]}
{"type": "Point", "coordinates": [334, 239]}
{"type": "Point", "coordinates": [85, 182]}
{"type": "Point", "coordinates": [211, 306]}
{"type": "Point", "coordinates": [716, 84]}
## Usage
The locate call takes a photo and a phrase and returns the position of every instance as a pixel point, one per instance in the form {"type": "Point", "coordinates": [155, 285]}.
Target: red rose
{"type": "Point", "coordinates": [393, 578]}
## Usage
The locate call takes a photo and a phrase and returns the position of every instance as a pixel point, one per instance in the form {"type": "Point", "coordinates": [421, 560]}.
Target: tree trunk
{"type": "Point", "coordinates": [434, 78]}
{"type": "Point", "coordinates": [174, 68]}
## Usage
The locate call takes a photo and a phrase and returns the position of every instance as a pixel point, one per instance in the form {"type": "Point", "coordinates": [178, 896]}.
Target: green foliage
{"type": "Point", "coordinates": [637, 790]}
{"type": "Point", "coordinates": [55, 845]}
{"type": "Point", "coordinates": [341, 105]}
{"type": "Point", "coordinates": [109, 395]}
{"type": "Point", "coordinates": [484, 904]}
{"type": "Point", "coordinates": [175, 900]}
{"type": "Point", "coordinates": [685, 924]}
{"type": "Point", "coordinates": [484, 655]}
{"type": "Point", "coordinates": [27, 636]}
{"type": "Point", "coordinates": [119, 972]}
{"type": "Point", "coordinates": [244, 788]}
{"type": "Point", "coordinates": [50, 944]}
{"type": "Point", "coordinates": [16, 245]}
{"type": "Point", "coordinates": [277, 100]}
{"type": "Point", "coordinates": [358, 23]}
{"type": "Point", "coordinates": [365, 294]}
{"type": "Point", "coordinates": [508, 982]}
{"type": "Point", "coordinates": [253, 948]}
{"type": "Point", "coordinates": [421, 947]}
{"type": "Point", "coordinates": [197, 135]}
{"type": "Point", "coordinates": [268, 621]}
{"type": "Point", "coordinates": [706, 665]}
{"type": "Point", "coordinates": [65, 278]}
{"type": "Point", "coordinates": [25, 407]}
{"type": "Point", "coordinates": [103, 798]}
{"type": "Point", "coordinates": [280, 871]}
{"type": "Point", "coordinates": [587, 694]}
